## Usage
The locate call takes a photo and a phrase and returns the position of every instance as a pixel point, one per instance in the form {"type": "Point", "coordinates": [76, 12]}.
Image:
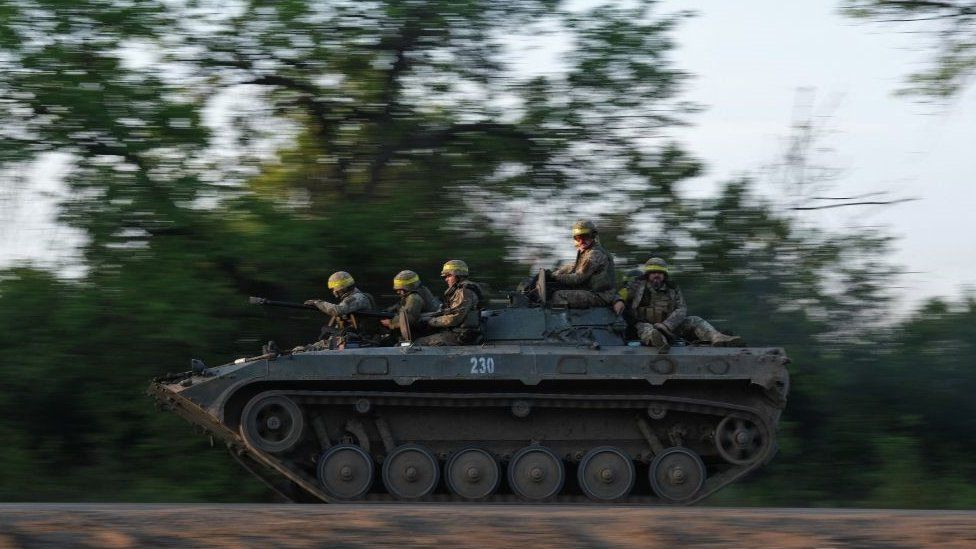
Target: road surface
{"type": "Point", "coordinates": [509, 526]}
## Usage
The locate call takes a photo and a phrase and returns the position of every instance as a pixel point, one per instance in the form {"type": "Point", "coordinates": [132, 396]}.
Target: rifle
{"type": "Point", "coordinates": [401, 321]}
{"type": "Point", "coordinates": [293, 305]}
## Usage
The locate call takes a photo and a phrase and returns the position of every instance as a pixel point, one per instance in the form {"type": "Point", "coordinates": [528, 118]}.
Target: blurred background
{"type": "Point", "coordinates": [162, 160]}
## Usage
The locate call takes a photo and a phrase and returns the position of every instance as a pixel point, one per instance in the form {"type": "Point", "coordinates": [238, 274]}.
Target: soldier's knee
{"type": "Point", "coordinates": [438, 340]}
{"type": "Point", "coordinates": [559, 299]}
{"type": "Point", "coordinates": [576, 299]}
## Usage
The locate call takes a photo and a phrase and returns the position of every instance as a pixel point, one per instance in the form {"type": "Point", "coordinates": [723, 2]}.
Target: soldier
{"type": "Point", "coordinates": [415, 299]}
{"type": "Point", "coordinates": [590, 280]}
{"type": "Point", "coordinates": [657, 306]}
{"type": "Point", "coordinates": [460, 322]}
{"type": "Point", "coordinates": [351, 300]}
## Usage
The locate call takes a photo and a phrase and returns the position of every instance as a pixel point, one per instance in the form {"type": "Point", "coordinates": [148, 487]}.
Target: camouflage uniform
{"type": "Point", "coordinates": [648, 306]}
{"type": "Point", "coordinates": [415, 302]}
{"type": "Point", "coordinates": [460, 323]}
{"type": "Point", "coordinates": [592, 278]}
{"type": "Point", "coordinates": [351, 300]}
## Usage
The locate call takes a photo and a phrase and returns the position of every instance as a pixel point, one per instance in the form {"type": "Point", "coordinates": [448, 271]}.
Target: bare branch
{"type": "Point", "coordinates": [858, 197]}
{"type": "Point", "coordinates": [871, 203]}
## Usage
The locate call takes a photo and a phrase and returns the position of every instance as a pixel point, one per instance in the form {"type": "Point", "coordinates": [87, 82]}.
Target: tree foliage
{"type": "Point", "coordinates": [356, 133]}
{"type": "Point", "coordinates": [225, 150]}
{"type": "Point", "coordinates": [951, 23]}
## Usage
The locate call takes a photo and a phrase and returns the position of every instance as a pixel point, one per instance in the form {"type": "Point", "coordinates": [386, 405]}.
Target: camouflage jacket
{"type": "Point", "coordinates": [645, 304]}
{"type": "Point", "coordinates": [353, 300]}
{"type": "Point", "coordinates": [431, 303]}
{"type": "Point", "coordinates": [462, 312]}
{"type": "Point", "coordinates": [593, 271]}
{"type": "Point", "coordinates": [415, 302]}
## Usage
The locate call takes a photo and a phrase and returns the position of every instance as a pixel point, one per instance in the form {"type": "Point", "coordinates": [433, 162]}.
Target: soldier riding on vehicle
{"type": "Point", "coordinates": [590, 281]}
{"type": "Point", "coordinates": [657, 307]}
{"type": "Point", "coordinates": [460, 322]}
{"type": "Point", "coordinates": [415, 299]}
{"type": "Point", "coordinates": [341, 325]}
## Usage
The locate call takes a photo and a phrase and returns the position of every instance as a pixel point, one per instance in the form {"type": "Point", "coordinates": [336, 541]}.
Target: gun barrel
{"type": "Point", "coordinates": [375, 314]}
{"type": "Point", "coordinates": [292, 305]}
{"type": "Point", "coordinates": [273, 303]}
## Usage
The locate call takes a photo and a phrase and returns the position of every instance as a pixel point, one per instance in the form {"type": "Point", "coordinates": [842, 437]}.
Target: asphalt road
{"type": "Point", "coordinates": [127, 525]}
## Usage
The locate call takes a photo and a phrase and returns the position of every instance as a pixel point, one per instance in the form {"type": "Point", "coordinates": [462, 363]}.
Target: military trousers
{"type": "Point", "coordinates": [576, 299]}
{"type": "Point", "coordinates": [693, 328]}
{"type": "Point", "coordinates": [448, 338]}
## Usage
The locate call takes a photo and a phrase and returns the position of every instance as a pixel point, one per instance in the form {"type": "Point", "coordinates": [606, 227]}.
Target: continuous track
{"type": "Point", "coordinates": [293, 475]}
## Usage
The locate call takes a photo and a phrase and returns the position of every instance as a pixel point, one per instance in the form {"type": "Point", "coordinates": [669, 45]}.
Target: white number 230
{"type": "Point", "coordinates": [482, 365]}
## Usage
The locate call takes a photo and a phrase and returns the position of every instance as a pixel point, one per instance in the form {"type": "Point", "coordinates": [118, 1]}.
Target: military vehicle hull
{"type": "Point", "coordinates": [574, 418]}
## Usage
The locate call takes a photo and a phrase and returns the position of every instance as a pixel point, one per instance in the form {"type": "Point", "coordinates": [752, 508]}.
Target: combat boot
{"type": "Point", "coordinates": [654, 338]}
{"type": "Point", "coordinates": [722, 340]}
{"type": "Point", "coordinates": [657, 338]}
{"type": "Point", "coordinates": [650, 337]}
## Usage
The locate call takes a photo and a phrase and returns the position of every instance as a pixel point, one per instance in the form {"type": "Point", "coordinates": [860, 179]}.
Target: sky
{"type": "Point", "coordinates": [756, 65]}
{"type": "Point", "coordinates": [752, 58]}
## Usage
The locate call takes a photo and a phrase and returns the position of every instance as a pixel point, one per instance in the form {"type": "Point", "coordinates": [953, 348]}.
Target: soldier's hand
{"type": "Point", "coordinates": [618, 307]}
{"type": "Point", "coordinates": [385, 322]}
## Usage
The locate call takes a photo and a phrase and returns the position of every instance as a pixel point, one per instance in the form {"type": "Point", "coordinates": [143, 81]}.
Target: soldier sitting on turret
{"type": "Point", "coordinates": [342, 326]}
{"type": "Point", "coordinates": [655, 303]}
{"type": "Point", "coordinates": [415, 299]}
{"type": "Point", "coordinates": [460, 322]}
{"type": "Point", "coordinates": [590, 280]}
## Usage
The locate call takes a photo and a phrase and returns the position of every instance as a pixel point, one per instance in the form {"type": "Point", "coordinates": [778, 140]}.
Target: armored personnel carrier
{"type": "Point", "coordinates": [554, 406]}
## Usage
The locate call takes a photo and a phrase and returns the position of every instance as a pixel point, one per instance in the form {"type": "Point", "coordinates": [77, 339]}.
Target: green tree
{"type": "Point", "coordinates": [360, 138]}
{"type": "Point", "coordinates": [377, 136]}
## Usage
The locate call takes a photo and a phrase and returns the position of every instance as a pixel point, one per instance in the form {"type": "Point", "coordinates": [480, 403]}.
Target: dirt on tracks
{"type": "Point", "coordinates": [127, 525]}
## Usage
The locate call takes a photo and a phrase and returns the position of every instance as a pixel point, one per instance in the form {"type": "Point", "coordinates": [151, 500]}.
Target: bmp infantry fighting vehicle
{"type": "Point", "coordinates": [553, 406]}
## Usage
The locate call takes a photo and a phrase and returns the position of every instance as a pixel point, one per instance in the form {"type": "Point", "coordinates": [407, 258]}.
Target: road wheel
{"type": "Point", "coordinates": [677, 475]}
{"type": "Point", "coordinates": [410, 472]}
{"type": "Point", "coordinates": [472, 473]}
{"type": "Point", "coordinates": [536, 473]}
{"type": "Point", "coordinates": [606, 474]}
{"type": "Point", "coordinates": [345, 472]}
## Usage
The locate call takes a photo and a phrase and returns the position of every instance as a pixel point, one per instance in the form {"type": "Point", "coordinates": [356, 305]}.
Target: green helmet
{"type": "Point", "coordinates": [455, 267]}
{"type": "Point", "coordinates": [584, 226]}
{"type": "Point", "coordinates": [340, 280]}
{"type": "Point", "coordinates": [406, 280]}
{"type": "Point", "coordinates": [655, 264]}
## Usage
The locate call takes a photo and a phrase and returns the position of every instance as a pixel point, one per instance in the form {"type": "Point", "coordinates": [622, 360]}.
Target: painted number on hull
{"type": "Point", "coordinates": [482, 365]}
